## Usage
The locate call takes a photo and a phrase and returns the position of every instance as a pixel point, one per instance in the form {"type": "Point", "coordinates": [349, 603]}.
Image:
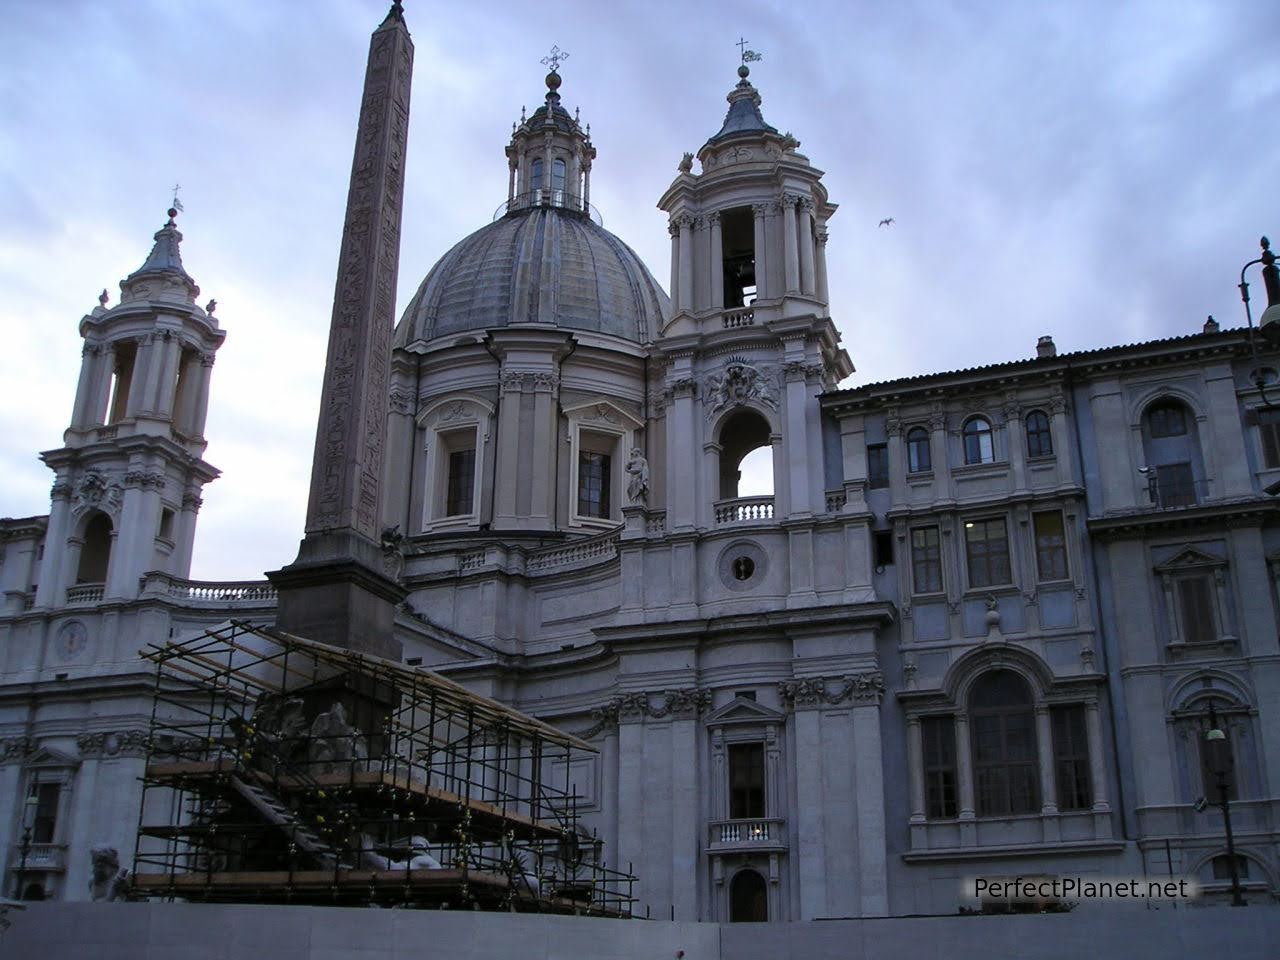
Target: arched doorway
{"type": "Point", "coordinates": [746, 456]}
{"type": "Point", "coordinates": [95, 554]}
{"type": "Point", "coordinates": [748, 898]}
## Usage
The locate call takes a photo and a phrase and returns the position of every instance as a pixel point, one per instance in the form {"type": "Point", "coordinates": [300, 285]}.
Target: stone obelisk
{"type": "Point", "coordinates": [337, 590]}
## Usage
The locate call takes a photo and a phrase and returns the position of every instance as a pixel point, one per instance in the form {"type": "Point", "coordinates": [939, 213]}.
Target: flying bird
{"type": "Point", "coordinates": [885, 222]}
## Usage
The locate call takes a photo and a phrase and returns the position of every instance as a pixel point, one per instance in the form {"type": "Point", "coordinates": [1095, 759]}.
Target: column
{"type": "Point", "coordinates": [103, 371]}
{"type": "Point", "coordinates": [873, 877]}
{"type": "Point", "coordinates": [1048, 782]}
{"type": "Point", "coordinates": [511, 182]}
{"type": "Point", "coordinates": [1015, 439]}
{"type": "Point", "coordinates": [797, 447]}
{"type": "Point", "coordinates": [820, 265]}
{"type": "Point", "coordinates": [806, 246]}
{"type": "Point", "coordinates": [149, 384]}
{"type": "Point", "coordinates": [1097, 768]}
{"type": "Point", "coordinates": [545, 186]}
{"type": "Point", "coordinates": [1060, 431]}
{"type": "Point", "coordinates": [897, 469]}
{"type": "Point", "coordinates": [586, 188]}
{"type": "Point", "coordinates": [171, 353]}
{"type": "Point", "coordinates": [508, 449]}
{"type": "Point", "coordinates": [686, 819]}
{"type": "Point", "coordinates": [680, 447]}
{"type": "Point", "coordinates": [201, 387]}
{"type": "Point", "coordinates": [674, 231]}
{"type": "Point", "coordinates": [51, 583]}
{"type": "Point", "coordinates": [915, 769]}
{"type": "Point", "coordinates": [790, 255]}
{"type": "Point", "coordinates": [810, 853]}
{"type": "Point", "coordinates": [938, 454]}
{"type": "Point", "coordinates": [185, 402]}
{"type": "Point", "coordinates": [685, 223]}
{"type": "Point", "coordinates": [764, 289]}
{"type": "Point", "coordinates": [631, 780]}
{"type": "Point", "coordinates": [136, 382]}
{"type": "Point", "coordinates": [84, 387]}
{"type": "Point", "coordinates": [180, 559]}
{"type": "Point", "coordinates": [964, 767]}
{"type": "Point", "coordinates": [717, 263]}
{"type": "Point", "coordinates": [542, 496]}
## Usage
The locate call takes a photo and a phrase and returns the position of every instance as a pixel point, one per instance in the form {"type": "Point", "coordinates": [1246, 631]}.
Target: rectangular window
{"type": "Point", "coordinates": [1174, 485]}
{"type": "Point", "coordinates": [877, 465]}
{"type": "Point", "coordinates": [1071, 757]}
{"type": "Point", "coordinates": [883, 541]}
{"type": "Point", "coordinates": [926, 560]}
{"type": "Point", "coordinates": [1269, 428]}
{"type": "Point", "coordinates": [460, 492]}
{"type": "Point", "coordinates": [987, 547]}
{"type": "Point", "coordinates": [1195, 606]}
{"type": "Point", "coordinates": [938, 736]}
{"type": "Point", "coordinates": [1051, 546]}
{"type": "Point", "coordinates": [593, 484]}
{"type": "Point", "coordinates": [746, 781]}
{"type": "Point", "coordinates": [44, 826]}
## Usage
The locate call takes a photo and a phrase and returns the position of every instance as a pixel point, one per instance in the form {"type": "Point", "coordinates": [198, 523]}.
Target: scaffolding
{"type": "Point", "coordinates": [281, 770]}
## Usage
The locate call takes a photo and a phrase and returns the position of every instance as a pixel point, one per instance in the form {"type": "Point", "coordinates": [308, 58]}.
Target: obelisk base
{"type": "Point", "coordinates": [337, 593]}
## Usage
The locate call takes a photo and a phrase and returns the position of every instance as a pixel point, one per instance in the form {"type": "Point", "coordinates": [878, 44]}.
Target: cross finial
{"type": "Point", "coordinates": [556, 57]}
{"type": "Point", "coordinates": [177, 204]}
{"type": "Point", "coordinates": [748, 56]}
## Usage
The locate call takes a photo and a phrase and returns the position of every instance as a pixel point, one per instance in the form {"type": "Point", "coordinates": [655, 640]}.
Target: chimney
{"type": "Point", "coordinates": [1045, 347]}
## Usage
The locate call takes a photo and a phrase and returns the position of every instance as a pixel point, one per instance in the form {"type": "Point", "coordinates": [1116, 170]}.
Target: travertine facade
{"type": "Point", "coordinates": [975, 628]}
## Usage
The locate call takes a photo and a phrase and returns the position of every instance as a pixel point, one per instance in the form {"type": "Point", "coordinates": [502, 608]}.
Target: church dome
{"type": "Point", "coordinates": [542, 264]}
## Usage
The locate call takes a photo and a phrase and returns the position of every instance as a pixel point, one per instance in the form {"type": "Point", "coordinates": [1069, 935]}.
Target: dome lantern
{"type": "Point", "coordinates": [550, 153]}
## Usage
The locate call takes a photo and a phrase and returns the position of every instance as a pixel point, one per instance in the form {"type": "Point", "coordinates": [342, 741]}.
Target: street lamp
{"type": "Point", "coordinates": [24, 848]}
{"type": "Point", "coordinates": [1269, 323]}
{"type": "Point", "coordinates": [1218, 759]}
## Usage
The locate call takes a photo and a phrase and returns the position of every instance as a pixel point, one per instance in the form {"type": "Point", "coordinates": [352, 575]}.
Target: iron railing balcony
{"type": "Point", "coordinates": [559, 199]}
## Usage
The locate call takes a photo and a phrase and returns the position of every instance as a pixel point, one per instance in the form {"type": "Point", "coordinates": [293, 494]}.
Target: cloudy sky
{"type": "Point", "coordinates": [1098, 171]}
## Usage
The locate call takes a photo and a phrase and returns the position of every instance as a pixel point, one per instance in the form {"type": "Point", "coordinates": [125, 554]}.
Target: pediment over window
{"type": "Point", "coordinates": [740, 710]}
{"type": "Point", "coordinates": [604, 413]}
{"type": "Point", "coordinates": [1188, 559]}
{"type": "Point", "coordinates": [49, 759]}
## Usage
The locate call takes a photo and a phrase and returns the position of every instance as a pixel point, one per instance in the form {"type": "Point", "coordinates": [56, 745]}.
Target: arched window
{"type": "Point", "coordinates": [95, 553]}
{"type": "Point", "coordinates": [557, 178]}
{"type": "Point", "coordinates": [535, 175]}
{"type": "Point", "coordinates": [748, 898]}
{"type": "Point", "coordinates": [978, 447]}
{"type": "Point", "coordinates": [746, 456]}
{"type": "Point", "coordinates": [1168, 418]}
{"type": "Point", "coordinates": [1006, 769]}
{"type": "Point", "coordinates": [1039, 439]}
{"type": "Point", "coordinates": [918, 459]}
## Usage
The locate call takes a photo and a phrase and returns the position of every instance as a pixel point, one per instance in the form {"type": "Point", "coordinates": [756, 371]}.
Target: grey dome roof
{"type": "Point", "coordinates": [537, 265]}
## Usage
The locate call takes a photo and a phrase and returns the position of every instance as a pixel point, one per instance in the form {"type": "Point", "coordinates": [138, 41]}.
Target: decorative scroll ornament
{"type": "Point", "coordinates": [105, 745]}
{"type": "Point", "coordinates": [683, 704]}
{"type": "Point", "coordinates": [816, 692]}
{"type": "Point", "coordinates": [96, 492]}
{"type": "Point", "coordinates": [740, 384]}
{"type": "Point", "coordinates": [15, 748]}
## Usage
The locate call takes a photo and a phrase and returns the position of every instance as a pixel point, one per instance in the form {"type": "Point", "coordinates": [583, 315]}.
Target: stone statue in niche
{"type": "Point", "coordinates": [109, 882]}
{"type": "Point", "coordinates": [334, 741]}
{"type": "Point", "coordinates": [740, 384]}
{"type": "Point", "coordinates": [638, 473]}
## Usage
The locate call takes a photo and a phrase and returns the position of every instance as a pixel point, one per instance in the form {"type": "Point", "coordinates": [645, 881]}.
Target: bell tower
{"type": "Point", "coordinates": [750, 343]}
{"type": "Point", "coordinates": [131, 468]}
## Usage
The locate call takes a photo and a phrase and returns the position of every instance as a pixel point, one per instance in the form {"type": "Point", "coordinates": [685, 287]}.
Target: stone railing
{"type": "Point", "coordinates": [85, 593]}
{"type": "Point", "coordinates": [743, 834]}
{"type": "Point", "coordinates": [743, 510]}
{"type": "Point", "coordinates": [41, 856]}
{"type": "Point", "coordinates": [602, 546]}
{"type": "Point", "coordinates": [739, 317]}
{"type": "Point", "coordinates": [247, 593]}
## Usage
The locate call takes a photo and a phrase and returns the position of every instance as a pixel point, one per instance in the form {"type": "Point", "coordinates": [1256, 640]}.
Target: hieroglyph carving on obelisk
{"type": "Point", "coordinates": [346, 470]}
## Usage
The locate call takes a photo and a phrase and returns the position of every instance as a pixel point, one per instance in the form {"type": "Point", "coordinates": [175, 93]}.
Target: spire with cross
{"type": "Point", "coordinates": [554, 60]}
{"type": "Point", "coordinates": [748, 56]}
{"type": "Point", "coordinates": [177, 204]}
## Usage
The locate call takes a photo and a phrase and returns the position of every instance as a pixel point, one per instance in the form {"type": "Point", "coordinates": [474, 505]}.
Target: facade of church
{"type": "Point", "coordinates": [976, 629]}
